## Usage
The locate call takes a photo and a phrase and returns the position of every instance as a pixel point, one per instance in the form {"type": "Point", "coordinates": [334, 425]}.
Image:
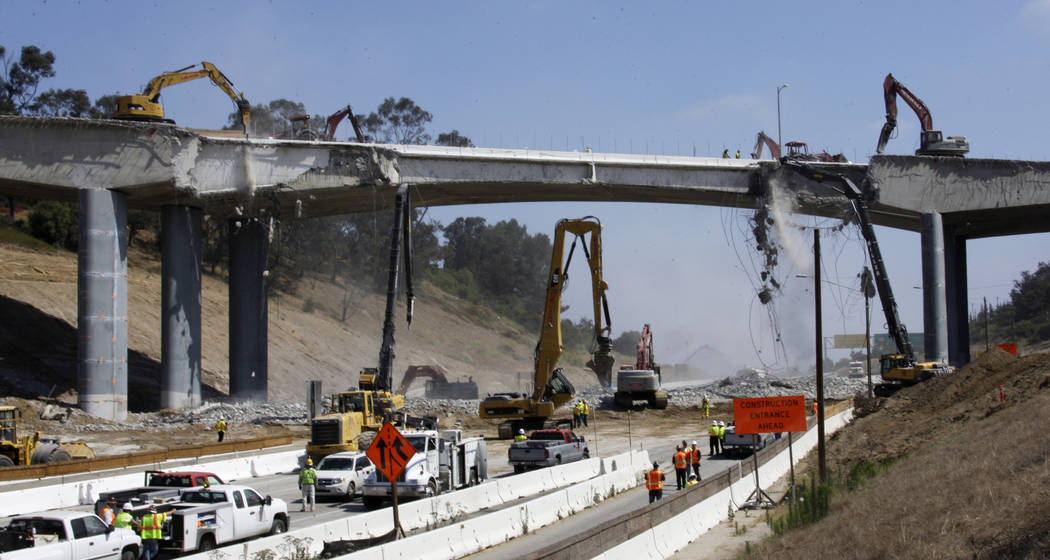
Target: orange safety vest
{"type": "Point", "coordinates": [654, 480]}
{"type": "Point", "coordinates": [679, 460]}
{"type": "Point", "coordinates": [696, 456]}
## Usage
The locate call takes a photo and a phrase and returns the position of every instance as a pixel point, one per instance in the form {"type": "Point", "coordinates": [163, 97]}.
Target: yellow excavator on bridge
{"type": "Point", "coordinates": [146, 105]}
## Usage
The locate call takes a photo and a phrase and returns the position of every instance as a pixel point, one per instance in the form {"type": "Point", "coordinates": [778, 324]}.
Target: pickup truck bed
{"type": "Point", "coordinates": [545, 448]}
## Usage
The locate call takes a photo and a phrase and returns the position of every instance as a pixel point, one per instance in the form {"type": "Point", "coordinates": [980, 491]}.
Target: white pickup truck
{"type": "Point", "coordinates": [66, 535]}
{"type": "Point", "coordinates": [440, 464]}
{"type": "Point", "coordinates": [214, 516]}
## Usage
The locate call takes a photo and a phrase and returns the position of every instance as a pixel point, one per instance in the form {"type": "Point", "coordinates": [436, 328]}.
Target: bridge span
{"type": "Point", "coordinates": [108, 167]}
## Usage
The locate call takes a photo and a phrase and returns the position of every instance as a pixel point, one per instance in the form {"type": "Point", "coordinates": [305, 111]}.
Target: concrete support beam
{"type": "Point", "coordinates": [249, 244]}
{"type": "Point", "coordinates": [180, 384]}
{"type": "Point", "coordinates": [935, 319]}
{"type": "Point", "coordinates": [102, 307]}
{"type": "Point", "coordinates": [956, 291]}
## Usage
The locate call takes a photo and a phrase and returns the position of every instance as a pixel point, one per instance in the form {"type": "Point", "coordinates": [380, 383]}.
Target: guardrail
{"type": "Point", "coordinates": [31, 472]}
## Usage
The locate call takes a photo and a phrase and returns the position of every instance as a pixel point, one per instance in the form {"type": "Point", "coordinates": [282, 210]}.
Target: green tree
{"type": "Point", "coordinates": [105, 106]}
{"type": "Point", "coordinates": [1031, 294]}
{"type": "Point", "coordinates": [453, 139]}
{"type": "Point", "coordinates": [61, 103]}
{"type": "Point", "coordinates": [20, 79]}
{"type": "Point", "coordinates": [627, 343]}
{"type": "Point", "coordinates": [55, 223]}
{"type": "Point", "coordinates": [398, 121]}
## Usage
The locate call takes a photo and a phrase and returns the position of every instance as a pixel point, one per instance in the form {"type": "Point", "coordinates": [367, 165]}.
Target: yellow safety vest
{"type": "Point", "coordinates": [220, 426]}
{"type": "Point", "coordinates": [690, 483]}
{"type": "Point", "coordinates": [151, 525]}
{"type": "Point", "coordinates": [713, 431]}
{"type": "Point", "coordinates": [722, 432]}
{"type": "Point", "coordinates": [123, 520]}
{"type": "Point", "coordinates": [586, 409]}
{"type": "Point", "coordinates": [520, 437]}
{"type": "Point", "coordinates": [308, 476]}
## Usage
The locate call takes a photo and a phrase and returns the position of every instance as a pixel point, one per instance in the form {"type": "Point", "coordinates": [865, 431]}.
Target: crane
{"type": "Point", "coordinates": [551, 389]}
{"type": "Point", "coordinates": [146, 106]}
{"type": "Point", "coordinates": [931, 142]}
{"type": "Point", "coordinates": [901, 368]}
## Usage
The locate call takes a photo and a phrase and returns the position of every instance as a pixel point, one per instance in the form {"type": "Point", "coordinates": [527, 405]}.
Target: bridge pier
{"type": "Point", "coordinates": [958, 306]}
{"type": "Point", "coordinates": [934, 314]}
{"type": "Point", "coordinates": [249, 244]}
{"type": "Point", "coordinates": [181, 249]}
{"type": "Point", "coordinates": [102, 304]}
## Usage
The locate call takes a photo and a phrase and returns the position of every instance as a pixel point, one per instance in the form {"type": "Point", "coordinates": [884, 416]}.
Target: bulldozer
{"type": "Point", "coordinates": [34, 449]}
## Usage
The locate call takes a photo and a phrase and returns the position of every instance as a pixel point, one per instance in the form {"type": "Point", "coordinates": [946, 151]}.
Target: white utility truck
{"type": "Point", "coordinates": [66, 535]}
{"type": "Point", "coordinates": [440, 464]}
{"type": "Point", "coordinates": [214, 516]}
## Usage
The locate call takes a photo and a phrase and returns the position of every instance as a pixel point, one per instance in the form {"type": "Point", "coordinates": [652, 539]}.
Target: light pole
{"type": "Point", "coordinates": [780, 144]}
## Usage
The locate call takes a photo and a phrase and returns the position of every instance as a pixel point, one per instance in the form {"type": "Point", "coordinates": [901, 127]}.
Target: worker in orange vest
{"type": "Point", "coordinates": [681, 466]}
{"type": "Point", "coordinates": [654, 482]}
{"type": "Point", "coordinates": [694, 456]}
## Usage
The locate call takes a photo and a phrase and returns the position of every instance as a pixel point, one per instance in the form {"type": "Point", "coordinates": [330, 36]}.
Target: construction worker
{"type": "Point", "coordinates": [584, 411]}
{"type": "Point", "coordinates": [815, 408]}
{"type": "Point", "coordinates": [694, 459]}
{"type": "Point", "coordinates": [721, 436]}
{"type": "Point", "coordinates": [576, 415]}
{"type": "Point", "coordinates": [712, 438]}
{"type": "Point", "coordinates": [738, 154]}
{"type": "Point", "coordinates": [124, 519]}
{"type": "Point", "coordinates": [308, 483]}
{"type": "Point", "coordinates": [705, 407]}
{"type": "Point", "coordinates": [520, 436]}
{"type": "Point", "coordinates": [692, 481]}
{"type": "Point", "coordinates": [220, 428]}
{"type": "Point", "coordinates": [108, 512]}
{"type": "Point", "coordinates": [725, 153]}
{"type": "Point", "coordinates": [681, 466]}
{"type": "Point", "coordinates": [654, 482]}
{"type": "Point", "coordinates": [151, 531]}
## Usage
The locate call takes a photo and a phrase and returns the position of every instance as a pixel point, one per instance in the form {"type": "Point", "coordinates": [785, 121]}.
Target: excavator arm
{"type": "Point", "coordinates": [931, 142]}
{"type": "Point", "coordinates": [146, 106]}
{"type": "Point", "coordinates": [762, 139]}
{"type": "Point", "coordinates": [333, 122]}
{"type": "Point", "coordinates": [414, 372]}
{"type": "Point", "coordinates": [645, 357]}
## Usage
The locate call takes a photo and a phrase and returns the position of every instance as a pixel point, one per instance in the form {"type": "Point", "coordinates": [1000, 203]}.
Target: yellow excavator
{"type": "Point", "coordinates": [551, 389]}
{"type": "Point", "coordinates": [33, 450]}
{"type": "Point", "coordinates": [146, 106]}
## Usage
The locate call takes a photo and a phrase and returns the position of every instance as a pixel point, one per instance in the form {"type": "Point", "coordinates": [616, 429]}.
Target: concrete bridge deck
{"type": "Point", "coordinates": [109, 166]}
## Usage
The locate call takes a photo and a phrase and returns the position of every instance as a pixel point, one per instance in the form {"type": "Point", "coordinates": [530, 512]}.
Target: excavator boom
{"type": "Point", "coordinates": [146, 106]}
{"type": "Point", "coordinates": [931, 142]}
{"type": "Point", "coordinates": [762, 139]}
{"type": "Point", "coordinates": [333, 122]}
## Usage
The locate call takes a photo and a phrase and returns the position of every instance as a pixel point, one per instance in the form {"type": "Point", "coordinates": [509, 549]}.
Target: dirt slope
{"type": "Point", "coordinates": [38, 334]}
{"type": "Point", "coordinates": [969, 475]}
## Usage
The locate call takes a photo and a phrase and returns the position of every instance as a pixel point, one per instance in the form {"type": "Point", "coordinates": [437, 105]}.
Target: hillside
{"type": "Point", "coordinates": [38, 335]}
{"type": "Point", "coordinates": [966, 475]}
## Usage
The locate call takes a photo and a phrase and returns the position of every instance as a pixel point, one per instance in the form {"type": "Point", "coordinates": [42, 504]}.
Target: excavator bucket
{"type": "Point", "coordinates": [602, 363]}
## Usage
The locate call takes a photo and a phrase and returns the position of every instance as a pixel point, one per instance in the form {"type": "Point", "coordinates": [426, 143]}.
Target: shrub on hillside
{"type": "Point", "coordinates": [54, 223]}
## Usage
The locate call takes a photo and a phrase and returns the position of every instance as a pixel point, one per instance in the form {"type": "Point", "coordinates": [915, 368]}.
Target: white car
{"type": "Point", "coordinates": [342, 475]}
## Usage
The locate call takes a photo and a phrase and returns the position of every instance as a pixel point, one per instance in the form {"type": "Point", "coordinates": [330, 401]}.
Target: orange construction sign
{"type": "Point", "coordinates": [1010, 347]}
{"type": "Point", "coordinates": [770, 414]}
{"type": "Point", "coordinates": [390, 451]}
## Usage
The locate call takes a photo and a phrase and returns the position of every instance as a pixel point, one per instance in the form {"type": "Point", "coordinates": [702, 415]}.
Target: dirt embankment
{"type": "Point", "coordinates": [968, 472]}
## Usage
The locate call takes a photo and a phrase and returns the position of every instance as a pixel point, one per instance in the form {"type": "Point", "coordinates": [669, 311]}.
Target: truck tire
{"type": "Point", "coordinates": [207, 543]}
{"type": "Point", "coordinates": [586, 453]}
{"type": "Point", "coordinates": [432, 488]}
{"type": "Point", "coordinates": [279, 526]}
{"type": "Point", "coordinates": [372, 502]}
{"type": "Point", "coordinates": [473, 477]}
{"type": "Point", "coordinates": [6, 461]}
{"type": "Point", "coordinates": [518, 469]}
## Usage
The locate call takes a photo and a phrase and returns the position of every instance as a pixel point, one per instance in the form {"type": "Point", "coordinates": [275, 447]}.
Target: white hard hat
{"type": "Point", "coordinates": [694, 442]}
{"type": "Point", "coordinates": [721, 423]}
{"type": "Point", "coordinates": [714, 422]}
{"type": "Point", "coordinates": [126, 507]}
{"type": "Point", "coordinates": [521, 430]}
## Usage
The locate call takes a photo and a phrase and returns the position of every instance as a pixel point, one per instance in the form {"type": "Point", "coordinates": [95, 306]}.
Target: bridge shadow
{"type": "Point", "coordinates": [38, 358]}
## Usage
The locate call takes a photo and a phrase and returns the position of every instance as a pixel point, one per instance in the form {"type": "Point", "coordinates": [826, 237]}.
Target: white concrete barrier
{"type": "Point", "coordinates": [675, 533]}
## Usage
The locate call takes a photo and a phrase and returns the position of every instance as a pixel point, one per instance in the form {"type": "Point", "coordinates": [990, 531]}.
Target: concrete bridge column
{"type": "Point", "coordinates": [102, 305]}
{"type": "Point", "coordinates": [180, 385]}
{"type": "Point", "coordinates": [957, 297]}
{"type": "Point", "coordinates": [935, 319]}
{"type": "Point", "coordinates": [248, 312]}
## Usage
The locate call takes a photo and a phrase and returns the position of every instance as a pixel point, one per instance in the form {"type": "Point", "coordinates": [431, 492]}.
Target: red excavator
{"type": "Point", "coordinates": [438, 386]}
{"type": "Point", "coordinates": [774, 150]}
{"type": "Point", "coordinates": [301, 127]}
{"type": "Point", "coordinates": [641, 383]}
{"type": "Point", "coordinates": [931, 142]}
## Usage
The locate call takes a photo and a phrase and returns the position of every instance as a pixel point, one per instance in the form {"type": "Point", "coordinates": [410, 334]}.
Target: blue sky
{"type": "Point", "coordinates": [656, 77]}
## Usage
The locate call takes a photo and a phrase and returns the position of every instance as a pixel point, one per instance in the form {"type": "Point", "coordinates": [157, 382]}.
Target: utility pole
{"type": "Point", "coordinates": [821, 451]}
{"type": "Point", "coordinates": [987, 341]}
{"type": "Point", "coordinates": [867, 287]}
{"type": "Point", "coordinates": [780, 145]}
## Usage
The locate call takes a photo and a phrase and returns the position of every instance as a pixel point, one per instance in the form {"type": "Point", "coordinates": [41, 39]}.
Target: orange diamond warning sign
{"type": "Point", "coordinates": [390, 451]}
{"type": "Point", "coordinates": [770, 414]}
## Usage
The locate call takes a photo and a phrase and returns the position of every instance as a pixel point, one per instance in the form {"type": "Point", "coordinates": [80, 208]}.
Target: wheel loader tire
{"type": "Point", "coordinates": [59, 456]}
{"type": "Point", "coordinates": [6, 461]}
{"type": "Point", "coordinates": [364, 441]}
{"type": "Point", "coordinates": [659, 400]}
{"type": "Point", "coordinates": [42, 453]}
